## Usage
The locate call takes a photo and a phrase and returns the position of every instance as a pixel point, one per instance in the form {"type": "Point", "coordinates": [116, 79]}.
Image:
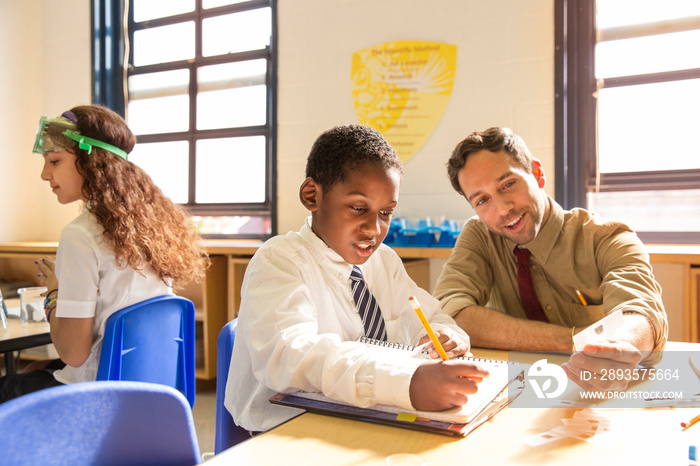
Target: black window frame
{"type": "Point", "coordinates": [109, 88]}
{"type": "Point", "coordinates": [575, 119]}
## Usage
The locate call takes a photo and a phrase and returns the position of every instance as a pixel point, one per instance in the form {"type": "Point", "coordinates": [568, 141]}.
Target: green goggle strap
{"type": "Point", "coordinates": [86, 143]}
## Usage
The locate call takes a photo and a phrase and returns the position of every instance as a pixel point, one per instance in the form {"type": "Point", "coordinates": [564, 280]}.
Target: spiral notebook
{"type": "Point", "coordinates": [495, 392]}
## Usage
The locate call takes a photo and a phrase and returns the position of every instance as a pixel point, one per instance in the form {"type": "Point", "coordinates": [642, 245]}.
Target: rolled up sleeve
{"type": "Point", "coordinates": [466, 279]}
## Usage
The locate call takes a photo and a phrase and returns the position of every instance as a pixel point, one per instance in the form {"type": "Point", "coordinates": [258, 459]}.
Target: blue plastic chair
{"type": "Point", "coordinates": [105, 423]}
{"type": "Point", "coordinates": [151, 341]}
{"type": "Point", "coordinates": [227, 432]}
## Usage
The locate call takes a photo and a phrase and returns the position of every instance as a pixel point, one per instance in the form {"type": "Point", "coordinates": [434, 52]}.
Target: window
{"type": "Point", "coordinates": [200, 95]}
{"type": "Point", "coordinates": [628, 90]}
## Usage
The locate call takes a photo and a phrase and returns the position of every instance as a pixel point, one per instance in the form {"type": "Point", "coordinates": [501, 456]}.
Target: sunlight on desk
{"type": "Point", "coordinates": [635, 436]}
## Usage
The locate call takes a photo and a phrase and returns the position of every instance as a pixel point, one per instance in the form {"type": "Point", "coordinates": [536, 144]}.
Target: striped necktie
{"type": "Point", "coordinates": [367, 306]}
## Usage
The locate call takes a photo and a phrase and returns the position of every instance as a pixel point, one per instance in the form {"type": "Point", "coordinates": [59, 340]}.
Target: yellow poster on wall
{"type": "Point", "coordinates": [401, 88]}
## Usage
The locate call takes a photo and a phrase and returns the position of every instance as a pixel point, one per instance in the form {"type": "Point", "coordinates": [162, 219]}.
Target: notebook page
{"type": "Point", "coordinates": [490, 389]}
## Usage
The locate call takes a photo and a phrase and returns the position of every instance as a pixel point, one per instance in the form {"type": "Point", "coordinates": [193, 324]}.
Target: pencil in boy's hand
{"type": "Point", "coordinates": [428, 328]}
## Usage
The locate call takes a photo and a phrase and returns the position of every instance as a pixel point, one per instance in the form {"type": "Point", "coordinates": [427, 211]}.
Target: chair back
{"type": "Point", "coordinates": [105, 423]}
{"type": "Point", "coordinates": [227, 432]}
{"type": "Point", "coordinates": [151, 341]}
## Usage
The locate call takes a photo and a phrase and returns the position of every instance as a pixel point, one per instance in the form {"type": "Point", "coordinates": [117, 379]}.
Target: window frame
{"type": "Point", "coordinates": [110, 89]}
{"type": "Point", "coordinates": [575, 116]}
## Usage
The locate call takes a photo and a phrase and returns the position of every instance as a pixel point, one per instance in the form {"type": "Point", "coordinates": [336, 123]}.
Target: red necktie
{"type": "Point", "coordinates": [528, 297]}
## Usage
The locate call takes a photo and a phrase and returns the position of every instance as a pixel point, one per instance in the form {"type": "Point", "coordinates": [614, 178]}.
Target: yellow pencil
{"type": "Point", "coordinates": [692, 422]}
{"type": "Point", "coordinates": [580, 296]}
{"type": "Point", "coordinates": [428, 328]}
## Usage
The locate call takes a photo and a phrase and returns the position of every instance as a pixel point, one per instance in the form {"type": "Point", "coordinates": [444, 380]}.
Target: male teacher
{"type": "Point", "coordinates": [526, 275]}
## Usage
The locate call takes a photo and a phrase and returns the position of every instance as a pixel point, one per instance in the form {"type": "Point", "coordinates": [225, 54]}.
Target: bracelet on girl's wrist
{"type": "Point", "coordinates": [49, 306]}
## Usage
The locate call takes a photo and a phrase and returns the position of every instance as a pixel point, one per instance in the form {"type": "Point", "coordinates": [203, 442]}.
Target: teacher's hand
{"type": "Point", "coordinates": [590, 368]}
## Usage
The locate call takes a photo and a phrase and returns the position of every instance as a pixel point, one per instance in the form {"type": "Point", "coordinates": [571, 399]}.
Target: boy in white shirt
{"type": "Point", "coordinates": [298, 323]}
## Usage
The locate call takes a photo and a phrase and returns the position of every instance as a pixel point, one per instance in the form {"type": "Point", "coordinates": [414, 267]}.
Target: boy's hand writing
{"type": "Point", "coordinates": [441, 385]}
{"type": "Point", "coordinates": [453, 344]}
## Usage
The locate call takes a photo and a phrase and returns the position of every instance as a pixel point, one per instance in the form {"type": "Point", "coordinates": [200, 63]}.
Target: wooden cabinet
{"type": "Point", "coordinates": [677, 269]}
{"type": "Point", "coordinates": [17, 260]}
{"type": "Point", "coordinates": [209, 298]}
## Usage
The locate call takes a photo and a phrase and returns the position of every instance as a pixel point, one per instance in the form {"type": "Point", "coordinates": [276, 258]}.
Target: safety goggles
{"type": "Point", "coordinates": [56, 134]}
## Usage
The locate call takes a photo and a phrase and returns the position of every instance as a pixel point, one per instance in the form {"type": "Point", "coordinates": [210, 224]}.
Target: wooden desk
{"type": "Point", "coordinates": [641, 437]}
{"type": "Point", "coordinates": [314, 439]}
{"type": "Point", "coordinates": [18, 337]}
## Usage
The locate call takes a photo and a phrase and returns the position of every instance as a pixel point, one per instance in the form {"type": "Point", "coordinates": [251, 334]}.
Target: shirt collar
{"type": "Point", "coordinates": [541, 246]}
{"type": "Point", "coordinates": [330, 260]}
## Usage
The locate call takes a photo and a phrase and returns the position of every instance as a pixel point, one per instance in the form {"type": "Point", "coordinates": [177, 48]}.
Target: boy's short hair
{"type": "Point", "coordinates": [344, 148]}
{"type": "Point", "coordinates": [493, 139]}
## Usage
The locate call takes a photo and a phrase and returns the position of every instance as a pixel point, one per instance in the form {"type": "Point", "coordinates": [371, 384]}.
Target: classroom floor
{"type": "Point", "coordinates": [204, 414]}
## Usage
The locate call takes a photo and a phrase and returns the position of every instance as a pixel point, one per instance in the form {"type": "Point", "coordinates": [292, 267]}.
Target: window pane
{"type": "Point", "coordinates": [148, 9]}
{"type": "Point", "coordinates": [158, 102]}
{"type": "Point", "coordinates": [214, 3]}
{"type": "Point", "coordinates": [649, 127]}
{"type": "Point", "coordinates": [675, 210]}
{"type": "Point", "coordinates": [219, 174]}
{"type": "Point", "coordinates": [164, 44]}
{"type": "Point", "coordinates": [161, 115]}
{"type": "Point", "coordinates": [613, 13]}
{"type": "Point", "coordinates": [232, 95]}
{"type": "Point", "coordinates": [237, 32]}
{"type": "Point", "coordinates": [166, 163]}
{"type": "Point", "coordinates": [231, 170]}
{"type": "Point", "coordinates": [651, 54]}
{"type": "Point", "coordinates": [161, 84]}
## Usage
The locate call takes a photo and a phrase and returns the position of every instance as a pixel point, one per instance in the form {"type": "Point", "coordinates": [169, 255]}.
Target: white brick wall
{"type": "Point", "coordinates": [505, 77]}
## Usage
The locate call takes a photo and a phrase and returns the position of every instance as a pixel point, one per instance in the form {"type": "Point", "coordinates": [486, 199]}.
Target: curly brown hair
{"type": "Point", "coordinates": [143, 226]}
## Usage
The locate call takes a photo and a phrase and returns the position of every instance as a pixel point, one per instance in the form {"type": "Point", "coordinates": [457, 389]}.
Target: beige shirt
{"type": "Point", "coordinates": [575, 249]}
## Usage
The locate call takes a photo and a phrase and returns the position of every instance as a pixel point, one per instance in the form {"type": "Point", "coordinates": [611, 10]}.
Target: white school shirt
{"type": "Point", "coordinates": [298, 325]}
{"type": "Point", "coordinates": [90, 284]}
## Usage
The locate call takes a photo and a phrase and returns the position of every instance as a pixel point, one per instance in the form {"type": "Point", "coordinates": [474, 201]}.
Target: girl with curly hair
{"type": "Point", "coordinates": [129, 244]}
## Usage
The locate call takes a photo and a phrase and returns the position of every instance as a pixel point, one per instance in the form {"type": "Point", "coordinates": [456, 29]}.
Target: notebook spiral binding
{"type": "Point", "coordinates": [405, 347]}
{"type": "Point", "coordinates": [389, 344]}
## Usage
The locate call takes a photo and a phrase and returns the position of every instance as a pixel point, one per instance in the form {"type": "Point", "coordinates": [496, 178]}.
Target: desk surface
{"type": "Point", "coordinates": [314, 439]}
{"type": "Point", "coordinates": [639, 437]}
{"type": "Point", "coordinates": [17, 336]}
